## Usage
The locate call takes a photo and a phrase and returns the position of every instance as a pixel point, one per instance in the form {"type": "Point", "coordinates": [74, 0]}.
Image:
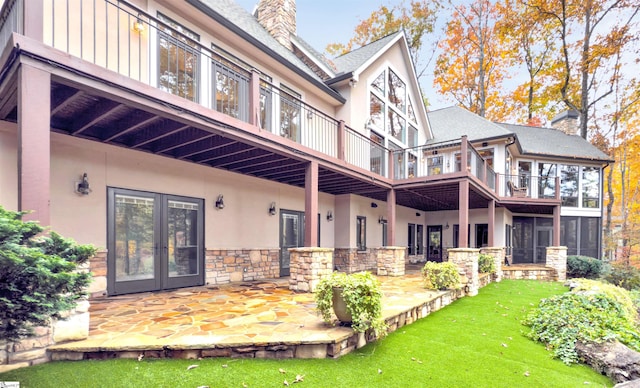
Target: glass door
{"type": "Point", "coordinates": [543, 240]}
{"type": "Point", "coordinates": [291, 236]}
{"type": "Point", "coordinates": [155, 242]}
{"type": "Point", "coordinates": [434, 247]}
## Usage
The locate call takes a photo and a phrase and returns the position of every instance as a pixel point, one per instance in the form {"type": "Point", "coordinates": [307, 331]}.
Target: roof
{"type": "Point", "coordinates": [449, 124]}
{"type": "Point", "coordinates": [245, 25]}
{"type": "Point", "coordinates": [552, 142]}
{"type": "Point", "coordinates": [323, 62]}
{"type": "Point", "coordinates": [353, 60]}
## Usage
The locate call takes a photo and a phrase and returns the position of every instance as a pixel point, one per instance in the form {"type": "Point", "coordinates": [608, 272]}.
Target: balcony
{"type": "Point", "coordinates": [164, 56]}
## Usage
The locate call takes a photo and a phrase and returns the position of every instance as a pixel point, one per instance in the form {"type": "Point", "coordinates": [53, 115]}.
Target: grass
{"type": "Point", "coordinates": [475, 342]}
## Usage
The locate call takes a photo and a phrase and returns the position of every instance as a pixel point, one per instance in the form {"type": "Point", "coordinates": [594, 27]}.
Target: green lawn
{"type": "Point", "coordinates": [474, 342]}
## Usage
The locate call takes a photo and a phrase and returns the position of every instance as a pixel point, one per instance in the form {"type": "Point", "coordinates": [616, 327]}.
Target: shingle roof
{"type": "Point", "coordinates": [317, 56]}
{"type": "Point", "coordinates": [553, 142]}
{"type": "Point", "coordinates": [246, 25]}
{"type": "Point", "coordinates": [449, 124]}
{"type": "Point", "coordinates": [351, 61]}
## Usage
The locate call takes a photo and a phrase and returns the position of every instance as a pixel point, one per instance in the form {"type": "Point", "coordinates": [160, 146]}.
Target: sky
{"type": "Point", "coordinates": [320, 22]}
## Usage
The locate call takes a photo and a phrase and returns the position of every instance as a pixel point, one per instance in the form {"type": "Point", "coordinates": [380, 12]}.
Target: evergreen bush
{"type": "Point", "coordinates": [39, 275]}
{"type": "Point", "coordinates": [486, 263]}
{"type": "Point", "coordinates": [583, 267]}
{"type": "Point", "coordinates": [440, 276]}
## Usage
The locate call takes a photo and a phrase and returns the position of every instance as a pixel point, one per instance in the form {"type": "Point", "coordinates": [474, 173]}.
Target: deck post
{"type": "Point", "coordinates": [311, 205]}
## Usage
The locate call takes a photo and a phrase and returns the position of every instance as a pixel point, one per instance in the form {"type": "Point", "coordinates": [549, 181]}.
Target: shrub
{"type": "Point", "coordinates": [486, 263]}
{"type": "Point", "coordinates": [583, 267]}
{"type": "Point", "coordinates": [562, 320]}
{"type": "Point", "coordinates": [619, 294]}
{"type": "Point", "coordinates": [624, 276]}
{"type": "Point", "coordinates": [362, 295]}
{"type": "Point", "coordinates": [440, 276]}
{"type": "Point", "coordinates": [38, 277]}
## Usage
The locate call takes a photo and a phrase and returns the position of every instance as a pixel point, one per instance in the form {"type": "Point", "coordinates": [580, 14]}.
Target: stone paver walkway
{"type": "Point", "coordinates": [248, 314]}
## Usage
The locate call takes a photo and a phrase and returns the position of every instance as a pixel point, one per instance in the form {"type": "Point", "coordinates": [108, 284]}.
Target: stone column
{"type": "Point", "coordinates": [557, 259]}
{"type": "Point", "coordinates": [498, 254]}
{"type": "Point", "coordinates": [390, 261]}
{"type": "Point", "coordinates": [308, 267]}
{"type": "Point", "coordinates": [467, 261]}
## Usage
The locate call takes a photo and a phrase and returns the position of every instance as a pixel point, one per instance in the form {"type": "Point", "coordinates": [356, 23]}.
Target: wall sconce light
{"type": "Point", "coordinates": [381, 220]}
{"type": "Point", "coordinates": [138, 25]}
{"type": "Point", "coordinates": [272, 209]}
{"type": "Point", "coordinates": [82, 187]}
{"type": "Point", "coordinates": [353, 82]}
{"type": "Point", "coordinates": [329, 216]}
{"type": "Point", "coordinates": [220, 202]}
{"type": "Point", "coordinates": [418, 214]}
{"type": "Point", "coordinates": [374, 205]}
{"type": "Point", "coordinates": [484, 144]}
{"type": "Point", "coordinates": [447, 225]}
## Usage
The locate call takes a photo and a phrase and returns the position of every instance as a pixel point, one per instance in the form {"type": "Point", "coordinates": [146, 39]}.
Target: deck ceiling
{"type": "Point", "coordinates": [93, 116]}
{"type": "Point", "coordinates": [86, 115]}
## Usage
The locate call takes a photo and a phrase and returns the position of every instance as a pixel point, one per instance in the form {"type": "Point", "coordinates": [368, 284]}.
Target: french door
{"type": "Point", "coordinates": [155, 241]}
{"type": "Point", "coordinates": [434, 241]}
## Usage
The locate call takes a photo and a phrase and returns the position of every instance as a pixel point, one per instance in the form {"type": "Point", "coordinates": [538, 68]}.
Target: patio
{"type": "Point", "coordinates": [262, 319]}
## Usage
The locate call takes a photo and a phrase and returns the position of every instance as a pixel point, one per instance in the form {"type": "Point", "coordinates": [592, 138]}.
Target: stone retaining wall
{"type": "Point", "coordinates": [224, 266]}
{"type": "Point", "coordinates": [523, 273]}
{"type": "Point", "coordinates": [467, 261]}
{"type": "Point", "coordinates": [498, 254]}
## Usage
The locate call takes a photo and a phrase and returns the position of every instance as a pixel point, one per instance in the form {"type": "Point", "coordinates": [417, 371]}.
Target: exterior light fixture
{"type": "Point", "coordinates": [82, 187]}
{"type": "Point", "coordinates": [381, 220]}
{"type": "Point", "coordinates": [447, 225]}
{"type": "Point", "coordinates": [220, 202]}
{"type": "Point", "coordinates": [418, 214]}
{"type": "Point", "coordinates": [329, 216]}
{"type": "Point", "coordinates": [272, 209]}
{"type": "Point", "coordinates": [374, 205]}
{"type": "Point", "coordinates": [138, 25]}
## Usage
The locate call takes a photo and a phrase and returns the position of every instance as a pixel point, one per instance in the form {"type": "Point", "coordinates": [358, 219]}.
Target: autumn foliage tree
{"type": "Point", "coordinates": [416, 19]}
{"type": "Point", "coordinates": [473, 64]}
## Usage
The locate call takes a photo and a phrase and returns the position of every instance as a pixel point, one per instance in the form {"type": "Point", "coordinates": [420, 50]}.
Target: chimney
{"type": "Point", "coordinates": [566, 122]}
{"type": "Point", "coordinates": [278, 17]}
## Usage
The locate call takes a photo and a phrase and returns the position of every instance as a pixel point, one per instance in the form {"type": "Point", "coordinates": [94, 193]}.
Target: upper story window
{"type": "Point", "coordinates": [178, 59]}
{"type": "Point", "coordinates": [231, 88]}
{"type": "Point", "coordinates": [290, 109]}
{"type": "Point", "coordinates": [591, 187]}
{"type": "Point", "coordinates": [569, 185]}
{"type": "Point", "coordinates": [547, 176]}
{"type": "Point", "coordinates": [391, 110]}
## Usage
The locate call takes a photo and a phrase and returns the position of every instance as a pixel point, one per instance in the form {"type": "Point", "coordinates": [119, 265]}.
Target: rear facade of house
{"type": "Point", "coordinates": [194, 143]}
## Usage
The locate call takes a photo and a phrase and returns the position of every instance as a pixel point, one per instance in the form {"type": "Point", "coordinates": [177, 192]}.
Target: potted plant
{"type": "Point", "coordinates": [360, 297]}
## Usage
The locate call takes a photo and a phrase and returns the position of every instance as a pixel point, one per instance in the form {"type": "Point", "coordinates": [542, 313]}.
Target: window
{"type": "Point", "coordinates": [391, 110]}
{"type": "Point", "coordinates": [569, 185]}
{"type": "Point", "coordinates": [179, 58]}
{"type": "Point", "coordinates": [397, 91]}
{"type": "Point", "coordinates": [547, 176]}
{"type": "Point", "coordinates": [419, 242]}
{"type": "Point", "coordinates": [487, 154]}
{"type": "Point", "coordinates": [265, 105]}
{"type": "Point", "coordinates": [591, 187]}
{"type": "Point", "coordinates": [415, 243]}
{"type": "Point", "coordinates": [434, 165]}
{"type": "Point", "coordinates": [361, 233]}
{"type": "Point", "coordinates": [507, 239]}
{"type": "Point", "coordinates": [482, 235]}
{"type": "Point", "coordinates": [412, 164]}
{"type": "Point", "coordinates": [231, 88]}
{"type": "Point", "coordinates": [289, 114]}
{"type": "Point", "coordinates": [398, 163]}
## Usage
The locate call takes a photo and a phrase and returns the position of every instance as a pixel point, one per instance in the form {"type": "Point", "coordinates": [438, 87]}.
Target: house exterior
{"type": "Point", "coordinates": [195, 143]}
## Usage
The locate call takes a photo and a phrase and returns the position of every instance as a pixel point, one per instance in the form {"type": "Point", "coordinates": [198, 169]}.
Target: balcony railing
{"type": "Point", "coordinates": [157, 51]}
{"type": "Point", "coordinates": [529, 186]}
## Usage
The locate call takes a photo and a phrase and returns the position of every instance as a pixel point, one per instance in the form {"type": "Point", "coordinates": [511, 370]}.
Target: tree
{"type": "Point", "coordinates": [531, 37]}
{"type": "Point", "coordinates": [416, 21]}
{"type": "Point", "coordinates": [592, 34]}
{"type": "Point", "coordinates": [39, 275]}
{"type": "Point", "coordinates": [473, 64]}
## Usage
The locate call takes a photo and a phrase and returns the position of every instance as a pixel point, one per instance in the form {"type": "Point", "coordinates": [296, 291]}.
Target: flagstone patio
{"type": "Point", "coordinates": [261, 319]}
